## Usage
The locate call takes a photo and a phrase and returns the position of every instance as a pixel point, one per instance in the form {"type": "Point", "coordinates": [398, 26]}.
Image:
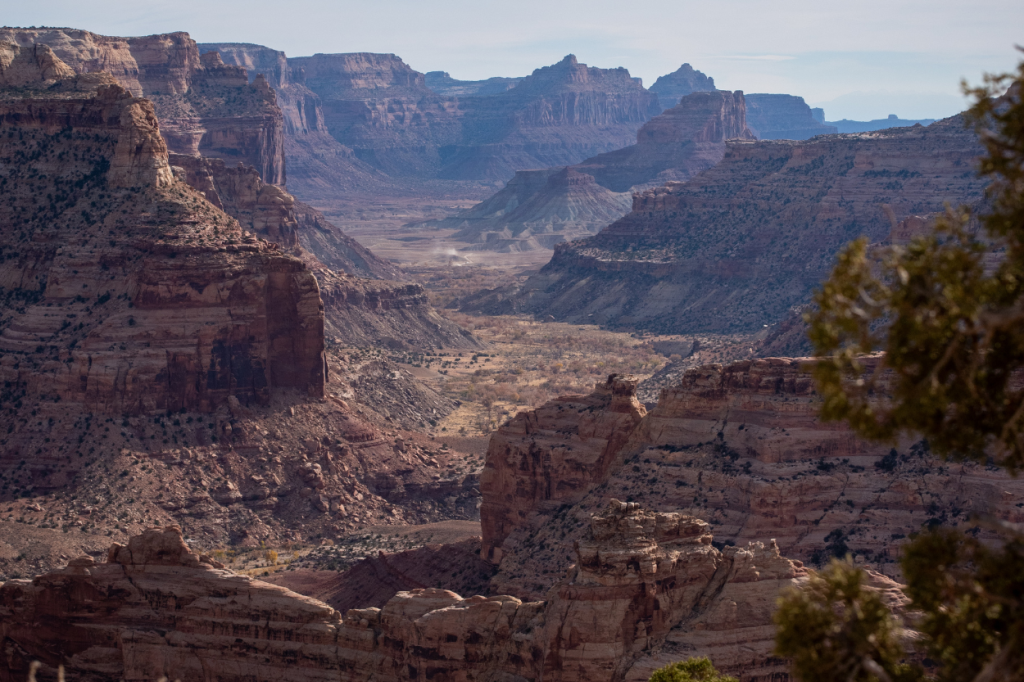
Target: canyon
{"type": "Point", "coordinates": [200, 370]}
{"type": "Point", "coordinates": [737, 246]}
{"type": "Point", "coordinates": [163, 361]}
{"type": "Point", "coordinates": [737, 445]}
{"type": "Point", "coordinates": [538, 209]}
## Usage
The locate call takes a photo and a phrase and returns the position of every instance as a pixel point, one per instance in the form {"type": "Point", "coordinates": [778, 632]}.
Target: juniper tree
{"type": "Point", "coordinates": [947, 310]}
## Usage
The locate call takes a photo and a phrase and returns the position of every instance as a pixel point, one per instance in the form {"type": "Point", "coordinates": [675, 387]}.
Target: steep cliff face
{"type": "Point", "coordinates": [357, 311]}
{"type": "Point", "coordinates": [541, 208]}
{"type": "Point", "coordinates": [738, 445]}
{"type": "Point", "coordinates": [686, 80]}
{"type": "Point", "coordinates": [737, 246]}
{"type": "Point", "coordinates": [125, 289]}
{"type": "Point", "coordinates": [561, 114]}
{"type": "Point", "coordinates": [783, 117]}
{"type": "Point", "coordinates": [300, 106]}
{"type": "Point", "coordinates": [645, 589]}
{"type": "Point", "coordinates": [675, 145]}
{"type": "Point", "coordinates": [205, 107]}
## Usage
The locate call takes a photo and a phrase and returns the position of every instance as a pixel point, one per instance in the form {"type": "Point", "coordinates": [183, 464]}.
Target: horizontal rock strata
{"type": "Point", "coordinates": [739, 445]}
{"type": "Point", "coordinates": [127, 290]}
{"type": "Point", "coordinates": [737, 246]}
{"type": "Point", "coordinates": [645, 589]}
{"type": "Point", "coordinates": [205, 106]}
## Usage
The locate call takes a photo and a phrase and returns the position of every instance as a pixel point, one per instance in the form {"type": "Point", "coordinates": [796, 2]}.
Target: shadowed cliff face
{"type": "Point", "coordinates": [124, 289]}
{"type": "Point", "coordinates": [740, 446]}
{"type": "Point", "coordinates": [738, 245]}
{"type": "Point", "coordinates": [205, 107]}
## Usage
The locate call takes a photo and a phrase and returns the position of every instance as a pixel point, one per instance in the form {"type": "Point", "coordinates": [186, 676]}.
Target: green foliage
{"type": "Point", "coordinates": [952, 329]}
{"type": "Point", "coordinates": [834, 628]}
{"type": "Point", "coordinates": [948, 312]}
{"type": "Point", "coordinates": [690, 670]}
{"type": "Point", "coordinates": [972, 600]}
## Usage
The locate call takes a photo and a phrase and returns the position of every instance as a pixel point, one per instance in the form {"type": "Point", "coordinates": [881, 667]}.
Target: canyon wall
{"type": "Point", "coordinates": [361, 308]}
{"type": "Point", "coordinates": [646, 589]}
{"type": "Point", "coordinates": [125, 289]}
{"type": "Point", "coordinates": [737, 246]}
{"type": "Point", "coordinates": [383, 110]}
{"type": "Point", "coordinates": [740, 446]}
{"type": "Point", "coordinates": [205, 107]}
{"type": "Point", "coordinates": [541, 208]}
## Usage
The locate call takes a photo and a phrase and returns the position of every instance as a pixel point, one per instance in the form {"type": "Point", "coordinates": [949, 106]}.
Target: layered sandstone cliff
{"type": "Point", "coordinates": [127, 290]}
{"type": "Point", "coordinates": [740, 446]}
{"type": "Point", "coordinates": [737, 246]}
{"type": "Point", "coordinates": [646, 589]}
{"type": "Point", "coordinates": [561, 114]}
{"type": "Point", "coordinates": [205, 106]}
{"type": "Point", "coordinates": [538, 209]}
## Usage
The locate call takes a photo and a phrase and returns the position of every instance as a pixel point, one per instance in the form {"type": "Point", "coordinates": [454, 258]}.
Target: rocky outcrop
{"type": "Point", "coordinates": [35, 65]}
{"type": "Point", "coordinates": [205, 106]}
{"type": "Point", "coordinates": [737, 246]}
{"type": "Point", "coordinates": [300, 106]}
{"type": "Point", "coordinates": [541, 208]}
{"type": "Point", "coordinates": [739, 445]}
{"type": "Point", "coordinates": [686, 80]}
{"type": "Point", "coordinates": [538, 209]}
{"type": "Point", "coordinates": [357, 311]}
{"type": "Point", "coordinates": [553, 456]}
{"type": "Point", "coordinates": [382, 109]}
{"type": "Point", "coordinates": [646, 589]}
{"type": "Point", "coordinates": [783, 117]}
{"type": "Point", "coordinates": [127, 290]}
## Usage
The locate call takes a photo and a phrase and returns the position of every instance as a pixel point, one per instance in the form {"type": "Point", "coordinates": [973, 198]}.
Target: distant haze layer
{"type": "Point", "coordinates": [893, 57]}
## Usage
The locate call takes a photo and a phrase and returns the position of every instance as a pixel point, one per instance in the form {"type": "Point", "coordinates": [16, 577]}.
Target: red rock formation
{"type": "Point", "coordinates": [676, 145]}
{"type": "Point", "coordinates": [397, 315]}
{"type": "Point", "coordinates": [740, 446]}
{"type": "Point", "coordinates": [538, 209]}
{"type": "Point", "coordinates": [736, 247]}
{"type": "Point", "coordinates": [36, 65]}
{"type": "Point", "coordinates": [141, 295]}
{"type": "Point", "coordinates": [647, 588]}
{"type": "Point", "coordinates": [204, 106]}
{"type": "Point", "coordinates": [553, 456]}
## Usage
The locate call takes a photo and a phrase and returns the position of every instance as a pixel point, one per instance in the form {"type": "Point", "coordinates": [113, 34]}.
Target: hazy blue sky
{"type": "Point", "coordinates": [861, 59]}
